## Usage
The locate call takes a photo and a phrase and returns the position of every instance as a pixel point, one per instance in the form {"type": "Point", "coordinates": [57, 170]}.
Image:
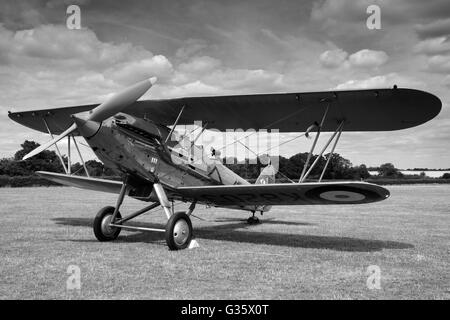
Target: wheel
{"type": "Point", "coordinates": [102, 230]}
{"type": "Point", "coordinates": [253, 220]}
{"type": "Point", "coordinates": [178, 231]}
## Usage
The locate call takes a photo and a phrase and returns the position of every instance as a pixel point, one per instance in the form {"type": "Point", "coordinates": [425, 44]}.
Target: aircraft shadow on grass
{"type": "Point", "coordinates": [231, 232]}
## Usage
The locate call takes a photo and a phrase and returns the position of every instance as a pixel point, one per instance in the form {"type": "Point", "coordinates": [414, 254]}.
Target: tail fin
{"type": "Point", "coordinates": [267, 175]}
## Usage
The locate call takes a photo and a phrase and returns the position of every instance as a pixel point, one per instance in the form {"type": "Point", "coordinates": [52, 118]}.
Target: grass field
{"type": "Point", "coordinates": [302, 252]}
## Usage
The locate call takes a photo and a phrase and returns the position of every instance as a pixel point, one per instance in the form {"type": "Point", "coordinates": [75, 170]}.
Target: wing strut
{"type": "Point", "coordinates": [81, 157]}
{"type": "Point", "coordinates": [338, 131]}
{"type": "Point", "coordinates": [332, 151]}
{"type": "Point", "coordinates": [58, 152]}
{"type": "Point", "coordinates": [174, 125]}
{"type": "Point", "coordinates": [69, 156]}
{"type": "Point", "coordinates": [67, 169]}
{"type": "Point", "coordinates": [303, 175]}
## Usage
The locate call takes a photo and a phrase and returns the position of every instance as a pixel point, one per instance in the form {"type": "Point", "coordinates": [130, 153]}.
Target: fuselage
{"type": "Point", "coordinates": [137, 146]}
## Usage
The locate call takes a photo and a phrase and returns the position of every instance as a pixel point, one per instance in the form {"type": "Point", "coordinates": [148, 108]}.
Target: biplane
{"type": "Point", "coordinates": [136, 140]}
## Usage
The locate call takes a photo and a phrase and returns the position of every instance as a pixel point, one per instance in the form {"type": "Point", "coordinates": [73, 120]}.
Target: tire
{"type": "Point", "coordinates": [101, 229]}
{"type": "Point", "coordinates": [253, 220]}
{"type": "Point", "coordinates": [178, 231]}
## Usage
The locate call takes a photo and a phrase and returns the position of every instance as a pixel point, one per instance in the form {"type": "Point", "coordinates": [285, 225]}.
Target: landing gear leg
{"type": "Point", "coordinates": [108, 223]}
{"type": "Point", "coordinates": [103, 230]}
{"type": "Point", "coordinates": [253, 219]}
{"type": "Point", "coordinates": [179, 226]}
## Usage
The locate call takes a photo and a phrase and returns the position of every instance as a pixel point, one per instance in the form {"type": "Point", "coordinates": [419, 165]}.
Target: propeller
{"type": "Point", "coordinates": [92, 119]}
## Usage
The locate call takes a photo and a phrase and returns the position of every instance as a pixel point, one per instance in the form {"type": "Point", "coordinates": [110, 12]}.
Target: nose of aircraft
{"type": "Point", "coordinates": [87, 128]}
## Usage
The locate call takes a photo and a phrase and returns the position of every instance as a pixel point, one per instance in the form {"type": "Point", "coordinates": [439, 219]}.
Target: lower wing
{"type": "Point", "coordinates": [83, 182]}
{"type": "Point", "coordinates": [286, 194]}
{"type": "Point", "coordinates": [249, 195]}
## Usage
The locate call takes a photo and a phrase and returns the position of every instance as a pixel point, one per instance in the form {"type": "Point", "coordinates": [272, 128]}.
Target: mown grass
{"type": "Point", "coordinates": [302, 252]}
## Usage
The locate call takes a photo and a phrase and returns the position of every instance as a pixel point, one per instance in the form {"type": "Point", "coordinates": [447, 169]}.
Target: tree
{"type": "Point", "coordinates": [95, 168]}
{"type": "Point", "coordinates": [46, 160]}
{"type": "Point", "coordinates": [295, 165]}
{"type": "Point", "coordinates": [388, 170]}
{"type": "Point", "coordinates": [361, 172]}
{"type": "Point", "coordinates": [338, 167]}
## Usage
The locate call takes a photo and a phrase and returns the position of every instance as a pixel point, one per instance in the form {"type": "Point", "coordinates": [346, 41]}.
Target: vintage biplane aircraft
{"type": "Point", "coordinates": [135, 139]}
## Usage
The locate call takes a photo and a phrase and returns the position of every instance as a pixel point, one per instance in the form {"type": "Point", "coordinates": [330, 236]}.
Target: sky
{"type": "Point", "coordinates": [198, 48]}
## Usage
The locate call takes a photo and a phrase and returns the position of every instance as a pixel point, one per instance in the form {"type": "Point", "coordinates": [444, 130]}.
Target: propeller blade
{"type": "Point", "coordinates": [121, 100]}
{"type": "Point", "coordinates": [48, 144]}
{"type": "Point", "coordinates": [115, 104]}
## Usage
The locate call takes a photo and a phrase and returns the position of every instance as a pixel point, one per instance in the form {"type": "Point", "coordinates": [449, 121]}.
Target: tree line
{"type": "Point", "coordinates": [288, 168]}
{"type": "Point", "coordinates": [46, 161]}
{"type": "Point", "coordinates": [339, 168]}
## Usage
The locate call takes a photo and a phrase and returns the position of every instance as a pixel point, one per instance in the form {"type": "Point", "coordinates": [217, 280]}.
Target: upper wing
{"type": "Point", "coordinates": [362, 110]}
{"type": "Point", "coordinates": [57, 119]}
{"type": "Point", "coordinates": [286, 194]}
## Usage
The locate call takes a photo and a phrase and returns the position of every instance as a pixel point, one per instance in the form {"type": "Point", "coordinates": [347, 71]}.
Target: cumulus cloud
{"type": "Point", "coordinates": [193, 88]}
{"type": "Point", "coordinates": [250, 81]}
{"type": "Point", "coordinates": [200, 65]}
{"type": "Point", "coordinates": [361, 59]}
{"type": "Point", "coordinates": [43, 64]}
{"type": "Point", "coordinates": [133, 71]}
{"type": "Point", "coordinates": [433, 46]}
{"type": "Point", "coordinates": [393, 12]}
{"type": "Point", "coordinates": [446, 81]}
{"type": "Point", "coordinates": [333, 58]}
{"type": "Point", "coordinates": [50, 66]}
{"type": "Point", "coordinates": [331, 10]}
{"type": "Point", "coordinates": [368, 58]}
{"type": "Point", "coordinates": [344, 21]}
{"type": "Point", "coordinates": [55, 45]}
{"type": "Point", "coordinates": [197, 49]}
{"type": "Point", "coordinates": [439, 63]}
{"type": "Point", "coordinates": [434, 29]}
{"type": "Point", "coordinates": [381, 81]}
{"type": "Point", "coordinates": [222, 80]}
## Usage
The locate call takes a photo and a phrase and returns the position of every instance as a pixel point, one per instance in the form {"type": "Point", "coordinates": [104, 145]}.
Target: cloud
{"type": "Point", "coordinates": [209, 48]}
{"type": "Point", "coordinates": [381, 81]}
{"type": "Point", "coordinates": [43, 64]}
{"type": "Point", "coordinates": [433, 46]}
{"type": "Point", "coordinates": [361, 59]}
{"type": "Point", "coordinates": [55, 45]}
{"type": "Point", "coordinates": [50, 66]}
{"type": "Point", "coordinates": [194, 88]}
{"type": "Point", "coordinates": [368, 58]}
{"type": "Point", "coordinates": [330, 11]}
{"type": "Point", "coordinates": [439, 63]}
{"type": "Point", "coordinates": [344, 22]}
{"type": "Point", "coordinates": [437, 52]}
{"type": "Point", "coordinates": [134, 71]}
{"type": "Point", "coordinates": [434, 29]}
{"type": "Point", "coordinates": [393, 12]}
{"type": "Point", "coordinates": [333, 58]}
{"type": "Point", "coordinates": [222, 80]}
{"type": "Point", "coordinates": [200, 65]}
{"type": "Point", "coordinates": [446, 81]}
{"type": "Point", "coordinates": [191, 47]}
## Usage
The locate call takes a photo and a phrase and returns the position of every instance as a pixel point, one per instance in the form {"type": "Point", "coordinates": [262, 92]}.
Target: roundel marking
{"type": "Point", "coordinates": [342, 196]}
